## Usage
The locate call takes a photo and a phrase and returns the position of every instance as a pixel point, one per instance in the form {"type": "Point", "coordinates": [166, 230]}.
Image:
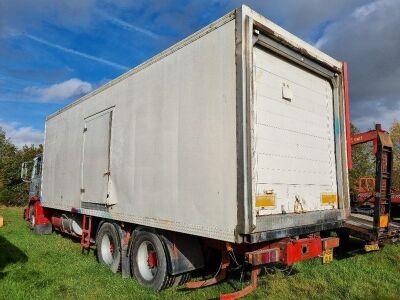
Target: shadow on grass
{"type": "Point", "coordinates": [351, 248]}
{"type": "Point", "coordinates": [9, 254]}
{"type": "Point", "coordinates": [239, 278]}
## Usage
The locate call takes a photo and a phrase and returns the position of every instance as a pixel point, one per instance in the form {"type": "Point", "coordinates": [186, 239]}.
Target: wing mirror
{"type": "Point", "coordinates": [25, 168]}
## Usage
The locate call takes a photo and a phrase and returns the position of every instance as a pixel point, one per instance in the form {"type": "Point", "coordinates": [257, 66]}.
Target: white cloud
{"type": "Point", "coordinates": [381, 115]}
{"type": "Point", "coordinates": [365, 10]}
{"type": "Point", "coordinates": [22, 135]}
{"type": "Point", "coordinates": [61, 91]}
{"type": "Point", "coordinates": [321, 42]}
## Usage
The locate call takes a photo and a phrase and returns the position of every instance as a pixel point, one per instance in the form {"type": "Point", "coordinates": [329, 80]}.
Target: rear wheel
{"type": "Point", "coordinates": [108, 246]}
{"type": "Point", "coordinates": [149, 262]}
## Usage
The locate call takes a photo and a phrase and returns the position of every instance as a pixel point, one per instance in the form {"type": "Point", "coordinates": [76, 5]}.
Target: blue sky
{"type": "Point", "coordinates": [52, 52]}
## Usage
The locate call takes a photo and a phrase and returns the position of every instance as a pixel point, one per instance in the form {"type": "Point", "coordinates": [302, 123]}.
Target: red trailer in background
{"type": "Point", "coordinates": [374, 204]}
{"type": "Point", "coordinates": [372, 217]}
{"type": "Point", "coordinates": [366, 191]}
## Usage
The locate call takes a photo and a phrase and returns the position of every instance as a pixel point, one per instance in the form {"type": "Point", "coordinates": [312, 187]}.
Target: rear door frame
{"type": "Point", "coordinates": [249, 33]}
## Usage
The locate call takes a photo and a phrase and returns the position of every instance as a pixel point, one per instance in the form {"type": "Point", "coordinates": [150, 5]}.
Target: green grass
{"type": "Point", "coordinates": [52, 266]}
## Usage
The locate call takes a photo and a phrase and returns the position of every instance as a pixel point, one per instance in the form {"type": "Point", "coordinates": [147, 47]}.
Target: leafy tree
{"type": "Point", "coordinates": [395, 136]}
{"type": "Point", "coordinates": [363, 162]}
{"type": "Point", "coordinates": [13, 191]}
{"type": "Point", "coordinates": [7, 151]}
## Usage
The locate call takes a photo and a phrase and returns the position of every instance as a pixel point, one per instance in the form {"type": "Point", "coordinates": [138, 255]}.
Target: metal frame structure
{"type": "Point", "coordinates": [381, 227]}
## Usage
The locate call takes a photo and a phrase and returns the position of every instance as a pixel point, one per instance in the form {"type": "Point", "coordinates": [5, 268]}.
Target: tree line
{"type": "Point", "coordinates": [13, 191]}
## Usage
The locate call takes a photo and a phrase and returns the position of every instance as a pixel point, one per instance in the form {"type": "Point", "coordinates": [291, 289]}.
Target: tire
{"type": "Point", "coordinates": [108, 247]}
{"type": "Point", "coordinates": [149, 262]}
{"type": "Point", "coordinates": [32, 216]}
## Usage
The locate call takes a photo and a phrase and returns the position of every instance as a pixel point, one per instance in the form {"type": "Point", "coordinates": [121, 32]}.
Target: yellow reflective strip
{"type": "Point", "coordinates": [328, 198]}
{"type": "Point", "coordinates": [384, 221]}
{"type": "Point", "coordinates": [265, 200]}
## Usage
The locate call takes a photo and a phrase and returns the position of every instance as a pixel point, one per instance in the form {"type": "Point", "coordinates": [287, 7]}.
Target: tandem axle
{"type": "Point", "coordinates": [160, 259]}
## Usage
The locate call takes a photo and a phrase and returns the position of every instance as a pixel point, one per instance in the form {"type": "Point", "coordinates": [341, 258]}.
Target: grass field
{"type": "Point", "coordinates": [52, 266]}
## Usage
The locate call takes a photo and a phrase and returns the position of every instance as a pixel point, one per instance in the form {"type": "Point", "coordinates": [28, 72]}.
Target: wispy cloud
{"type": "Point", "coordinates": [77, 53]}
{"type": "Point", "coordinates": [61, 91]}
{"type": "Point", "coordinates": [22, 135]}
{"type": "Point", "coordinates": [127, 26]}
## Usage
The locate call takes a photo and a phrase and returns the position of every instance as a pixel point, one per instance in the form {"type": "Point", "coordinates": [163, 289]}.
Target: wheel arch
{"type": "Point", "coordinates": [184, 252]}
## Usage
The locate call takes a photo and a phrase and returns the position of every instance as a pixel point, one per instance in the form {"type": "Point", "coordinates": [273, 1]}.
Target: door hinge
{"type": "Point", "coordinates": [82, 190]}
{"type": "Point", "coordinates": [85, 129]}
{"type": "Point", "coordinates": [107, 173]}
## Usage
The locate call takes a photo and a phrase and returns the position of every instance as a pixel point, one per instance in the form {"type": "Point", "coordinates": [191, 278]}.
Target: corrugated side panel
{"type": "Point", "coordinates": [294, 137]}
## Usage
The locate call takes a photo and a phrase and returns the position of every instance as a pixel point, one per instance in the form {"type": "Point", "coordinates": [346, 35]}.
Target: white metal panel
{"type": "Point", "coordinates": [96, 151]}
{"type": "Point", "coordinates": [294, 135]}
{"type": "Point", "coordinates": [173, 144]}
{"type": "Point", "coordinates": [173, 141]}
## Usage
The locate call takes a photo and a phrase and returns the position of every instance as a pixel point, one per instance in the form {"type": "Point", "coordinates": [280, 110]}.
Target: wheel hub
{"type": "Point", "coordinates": [107, 249]}
{"type": "Point", "coordinates": [152, 259]}
{"type": "Point", "coordinates": [147, 260]}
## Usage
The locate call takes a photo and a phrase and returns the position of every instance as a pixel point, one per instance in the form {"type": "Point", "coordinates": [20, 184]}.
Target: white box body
{"type": "Point", "coordinates": [190, 139]}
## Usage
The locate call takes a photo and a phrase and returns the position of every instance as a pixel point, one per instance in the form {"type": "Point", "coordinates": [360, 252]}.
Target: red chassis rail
{"type": "Point", "coordinates": [286, 251]}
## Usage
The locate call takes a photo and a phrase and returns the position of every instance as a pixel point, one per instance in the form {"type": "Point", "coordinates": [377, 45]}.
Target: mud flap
{"type": "Point", "coordinates": [125, 241]}
{"type": "Point", "coordinates": [125, 261]}
{"type": "Point", "coordinates": [184, 252]}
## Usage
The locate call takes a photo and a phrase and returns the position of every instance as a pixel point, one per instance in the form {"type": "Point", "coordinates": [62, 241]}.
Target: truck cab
{"type": "Point", "coordinates": [31, 172]}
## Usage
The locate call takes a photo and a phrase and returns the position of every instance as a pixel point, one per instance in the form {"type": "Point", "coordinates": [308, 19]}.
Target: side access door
{"type": "Point", "coordinates": [96, 158]}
